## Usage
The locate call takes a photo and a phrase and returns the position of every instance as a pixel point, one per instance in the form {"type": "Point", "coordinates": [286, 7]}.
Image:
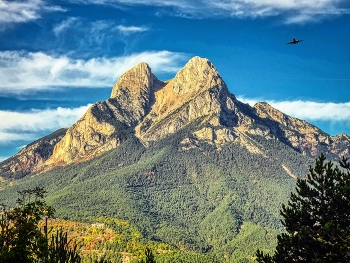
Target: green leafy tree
{"type": "Point", "coordinates": [317, 218]}
{"type": "Point", "coordinates": [22, 239]}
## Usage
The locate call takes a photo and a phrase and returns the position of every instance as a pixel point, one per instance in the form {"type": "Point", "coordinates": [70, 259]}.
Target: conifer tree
{"type": "Point", "coordinates": [317, 218]}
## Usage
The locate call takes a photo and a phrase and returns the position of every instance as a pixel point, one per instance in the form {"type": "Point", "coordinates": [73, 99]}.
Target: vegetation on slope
{"type": "Point", "coordinates": [316, 218]}
{"type": "Point", "coordinates": [203, 199]}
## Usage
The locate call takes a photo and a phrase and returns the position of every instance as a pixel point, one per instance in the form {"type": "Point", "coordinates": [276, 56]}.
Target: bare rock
{"type": "Point", "coordinates": [32, 157]}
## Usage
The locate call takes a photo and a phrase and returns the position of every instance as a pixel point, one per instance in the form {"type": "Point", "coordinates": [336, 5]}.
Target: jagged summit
{"type": "Point", "coordinates": [133, 94]}
{"type": "Point", "coordinates": [197, 91]}
{"type": "Point", "coordinates": [151, 110]}
{"type": "Point", "coordinates": [137, 78]}
{"type": "Point", "coordinates": [197, 74]}
{"type": "Point", "coordinates": [303, 136]}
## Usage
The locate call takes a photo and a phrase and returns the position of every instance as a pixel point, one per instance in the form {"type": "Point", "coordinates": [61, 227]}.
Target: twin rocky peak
{"type": "Point", "coordinates": [153, 109]}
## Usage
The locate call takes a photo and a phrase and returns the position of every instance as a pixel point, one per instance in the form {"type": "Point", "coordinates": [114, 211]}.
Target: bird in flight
{"type": "Point", "coordinates": [295, 41]}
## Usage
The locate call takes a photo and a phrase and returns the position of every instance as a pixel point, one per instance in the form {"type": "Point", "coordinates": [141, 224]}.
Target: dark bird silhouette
{"type": "Point", "coordinates": [295, 41]}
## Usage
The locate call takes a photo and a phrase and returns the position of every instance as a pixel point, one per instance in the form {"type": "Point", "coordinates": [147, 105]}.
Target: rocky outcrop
{"type": "Point", "coordinates": [301, 135]}
{"type": "Point", "coordinates": [32, 157]}
{"type": "Point", "coordinates": [133, 94]}
{"type": "Point", "coordinates": [103, 126]}
{"type": "Point", "coordinates": [341, 145]}
{"type": "Point", "coordinates": [96, 132]}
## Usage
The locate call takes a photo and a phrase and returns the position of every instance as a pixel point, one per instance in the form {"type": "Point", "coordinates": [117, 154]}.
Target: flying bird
{"type": "Point", "coordinates": [295, 41]}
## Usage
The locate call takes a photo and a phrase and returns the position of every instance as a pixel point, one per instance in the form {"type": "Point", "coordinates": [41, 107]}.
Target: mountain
{"type": "Point", "coordinates": [154, 109]}
{"type": "Point", "coordinates": [183, 160]}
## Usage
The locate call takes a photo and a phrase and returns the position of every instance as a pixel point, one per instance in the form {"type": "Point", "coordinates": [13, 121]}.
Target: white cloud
{"type": "Point", "coordinates": [309, 110]}
{"type": "Point", "coordinates": [8, 137]}
{"type": "Point", "coordinates": [64, 25]}
{"type": "Point", "coordinates": [94, 27]}
{"type": "Point", "coordinates": [20, 71]}
{"type": "Point", "coordinates": [96, 37]}
{"type": "Point", "coordinates": [15, 126]}
{"type": "Point", "coordinates": [296, 11]}
{"type": "Point", "coordinates": [131, 29]}
{"type": "Point", "coordinates": [24, 11]}
{"type": "Point", "coordinates": [318, 111]}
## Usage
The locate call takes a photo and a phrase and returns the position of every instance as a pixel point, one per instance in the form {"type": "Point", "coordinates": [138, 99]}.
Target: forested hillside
{"type": "Point", "coordinates": [214, 201]}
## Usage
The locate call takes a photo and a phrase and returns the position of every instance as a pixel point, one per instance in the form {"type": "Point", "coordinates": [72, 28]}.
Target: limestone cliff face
{"type": "Point", "coordinates": [96, 132]}
{"type": "Point", "coordinates": [340, 145]}
{"type": "Point", "coordinates": [133, 94]}
{"type": "Point", "coordinates": [32, 157]}
{"type": "Point", "coordinates": [306, 138]}
{"type": "Point", "coordinates": [102, 126]}
{"type": "Point", "coordinates": [197, 91]}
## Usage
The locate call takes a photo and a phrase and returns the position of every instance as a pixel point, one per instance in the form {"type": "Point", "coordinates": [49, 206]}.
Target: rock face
{"type": "Point", "coordinates": [133, 94]}
{"type": "Point", "coordinates": [102, 126]}
{"type": "Point", "coordinates": [197, 91]}
{"type": "Point", "coordinates": [151, 110]}
{"type": "Point", "coordinates": [302, 136]}
{"type": "Point", "coordinates": [32, 157]}
{"type": "Point", "coordinates": [95, 133]}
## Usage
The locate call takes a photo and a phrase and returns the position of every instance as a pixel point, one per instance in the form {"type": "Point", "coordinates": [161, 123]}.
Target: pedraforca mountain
{"type": "Point", "coordinates": [151, 109]}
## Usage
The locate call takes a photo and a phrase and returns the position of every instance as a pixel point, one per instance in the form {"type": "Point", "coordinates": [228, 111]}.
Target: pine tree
{"type": "Point", "coordinates": [317, 218]}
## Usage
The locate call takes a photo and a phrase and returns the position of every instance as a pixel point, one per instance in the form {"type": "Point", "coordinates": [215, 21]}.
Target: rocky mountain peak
{"type": "Point", "coordinates": [137, 78]}
{"type": "Point", "coordinates": [133, 94]}
{"type": "Point", "coordinates": [197, 74]}
{"type": "Point", "coordinates": [197, 91]}
{"type": "Point", "coordinates": [301, 135]}
{"type": "Point", "coordinates": [265, 110]}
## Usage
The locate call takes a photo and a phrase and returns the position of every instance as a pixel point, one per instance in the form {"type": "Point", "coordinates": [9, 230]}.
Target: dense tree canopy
{"type": "Point", "coordinates": [317, 218]}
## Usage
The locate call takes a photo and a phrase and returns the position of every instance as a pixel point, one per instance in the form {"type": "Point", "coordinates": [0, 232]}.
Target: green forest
{"type": "Point", "coordinates": [201, 202]}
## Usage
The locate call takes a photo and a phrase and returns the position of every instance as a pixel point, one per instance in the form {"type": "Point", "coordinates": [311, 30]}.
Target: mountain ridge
{"type": "Point", "coordinates": [153, 109]}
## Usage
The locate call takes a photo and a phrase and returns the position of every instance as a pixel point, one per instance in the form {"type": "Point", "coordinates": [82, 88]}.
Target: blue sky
{"type": "Point", "coordinates": [58, 57]}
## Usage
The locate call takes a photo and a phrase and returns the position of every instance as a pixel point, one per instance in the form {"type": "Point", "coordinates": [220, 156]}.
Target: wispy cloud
{"type": "Point", "coordinates": [294, 11]}
{"type": "Point", "coordinates": [96, 27]}
{"type": "Point", "coordinates": [309, 110]}
{"type": "Point", "coordinates": [21, 71]}
{"type": "Point", "coordinates": [20, 126]}
{"type": "Point", "coordinates": [131, 29]}
{"type": "Point", "coordinates": [24, 11]}
{"type": "Point", "coordinates": [87, 38]}
{"type": "Point", "coordinates": [64, 25]}
{"type": "Point", "coordinates": [97, 37]}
